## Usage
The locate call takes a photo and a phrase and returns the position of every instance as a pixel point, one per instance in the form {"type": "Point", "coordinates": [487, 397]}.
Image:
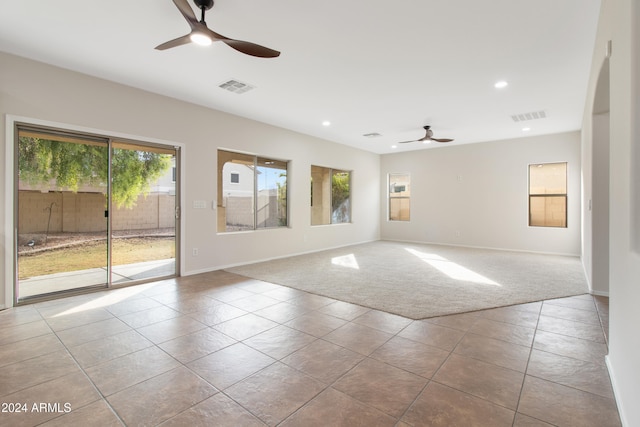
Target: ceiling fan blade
{"type": "Point", "coordinates": [175, 42]}
{"type": "Point", "coordinates": [428, 137]}
{"type": "Point", "coordinates": [200, 27]}
{"type": "Point", "coordinates": [187, 12]}
{"type": "Point", "coordinates": [252, 49]}
{"type": "Point", "coordinates": [242, 46]}
{"type": "Point", "coordinates": [424, 138]}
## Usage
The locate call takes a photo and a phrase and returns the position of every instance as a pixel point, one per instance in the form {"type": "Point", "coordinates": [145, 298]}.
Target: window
{"type": "Point", "coordinates": [548, 195]}
{"type": "Point", "coordinates": [399, 196]}
{"type": "Point", "coordinates": [330, 196]}
{"type": "Point", "coordinates": [252, 192]}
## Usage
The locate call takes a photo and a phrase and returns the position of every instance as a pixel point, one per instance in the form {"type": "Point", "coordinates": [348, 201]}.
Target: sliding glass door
{"type": "Point", "coordinates": [62, 240]}
{"type": "Point", "coordinates": [91, 212]}
{"type": "Point", "coordinates": [144, 212]}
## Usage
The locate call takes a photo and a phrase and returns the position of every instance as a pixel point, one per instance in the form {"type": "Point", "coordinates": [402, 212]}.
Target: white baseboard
{"type": "Point", "coordinates": [590, 285]}
{"type": "Point", "coordinates": [255, 261]}
{"type": "Point", "coordinates": [612, 376]}
{"type": "Point", "coordinates": [422, 242]}
{"type": "Point", "coordinates": [586, 275]}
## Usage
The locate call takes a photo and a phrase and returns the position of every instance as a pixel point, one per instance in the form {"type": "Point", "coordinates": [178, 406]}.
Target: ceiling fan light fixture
{"type": "Point", "coordinates": [200, 39]}
{"type": "Point", "coordinates": [201, 34]}
{"type": "Point", "coordinates": [428, 137]}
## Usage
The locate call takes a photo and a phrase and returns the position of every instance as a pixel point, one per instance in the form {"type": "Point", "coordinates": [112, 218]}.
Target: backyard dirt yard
{"type": "Point", "coordinates": [41, 255]}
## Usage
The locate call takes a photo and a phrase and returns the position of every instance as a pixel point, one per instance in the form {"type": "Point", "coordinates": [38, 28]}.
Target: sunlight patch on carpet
{"type": "Point", "coordinates": [348, 261]}
{"type": "Point", "coordinates": [418, 281]}
{"type": "Point", "coordinates": [452, 269]}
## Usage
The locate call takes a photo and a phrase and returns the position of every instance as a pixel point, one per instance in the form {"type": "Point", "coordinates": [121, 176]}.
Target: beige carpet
{"type": "Point", "coordinates": [420, 281]}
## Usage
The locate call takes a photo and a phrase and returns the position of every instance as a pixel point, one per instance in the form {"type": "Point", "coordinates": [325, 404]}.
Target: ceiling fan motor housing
{"type": "Point", "coordinates": [206, 4]}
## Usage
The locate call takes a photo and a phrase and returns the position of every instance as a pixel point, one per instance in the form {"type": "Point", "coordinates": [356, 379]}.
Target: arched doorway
{"type": "Point", "coordinates": [600, 193]}
{"type": "Point", "coordinates": [600, 183]}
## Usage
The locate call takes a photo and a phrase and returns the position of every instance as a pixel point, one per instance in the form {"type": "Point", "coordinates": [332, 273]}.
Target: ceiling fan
{"type": "Point", "coordinates": [201, 34]}
{"type": "Point", "coordinates": [428, 137]}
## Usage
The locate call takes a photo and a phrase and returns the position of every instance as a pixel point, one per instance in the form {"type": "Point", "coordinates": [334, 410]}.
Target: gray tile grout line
{"type": "Point", "coordinates": [84, 373]}
{"type": "Point", "coordinates": [103, 397]}
{"type": "Point", "coordinates": [526, 369]}
{"type": "Point", "coordinates": [316, 309]}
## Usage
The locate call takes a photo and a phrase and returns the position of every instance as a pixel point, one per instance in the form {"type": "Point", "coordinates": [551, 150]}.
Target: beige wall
{"type": "Point", "coordinates": [619, 23]}
{"type": "Point", "coordinates": [43, 94]}
{"type": "Point", "coordinates": [477, 194]}
{"type": "Point", "coordinates": [48, 94]}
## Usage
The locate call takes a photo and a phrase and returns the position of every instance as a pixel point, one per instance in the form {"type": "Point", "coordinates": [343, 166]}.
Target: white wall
{"type": "Point", "coordinates": [45, 93]}
{"type": "Point", "coordinates": [620, 23]}
{"type": "Point", "coordinates": [600, 204]}
{"type": "Point", "coordinates": [477, 194]}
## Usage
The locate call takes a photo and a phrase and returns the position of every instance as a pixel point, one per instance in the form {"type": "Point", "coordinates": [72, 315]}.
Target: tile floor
{"type": "Point", "coordinates": [217, 349]}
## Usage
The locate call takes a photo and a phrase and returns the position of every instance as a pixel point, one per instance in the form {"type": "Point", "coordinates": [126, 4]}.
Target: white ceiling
{"type": "Point", "coordinates": [388, 67]}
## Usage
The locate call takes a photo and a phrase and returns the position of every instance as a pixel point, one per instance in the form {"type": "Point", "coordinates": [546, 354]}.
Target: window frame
{"type": "Point", "coordinates": [330, 172]}
{"type": "Point", "coordinates": [565, 196]}
{"type": "Point", "coordinates": [258, 162]}
{"type": "Point", "coordinates": [390, 198]}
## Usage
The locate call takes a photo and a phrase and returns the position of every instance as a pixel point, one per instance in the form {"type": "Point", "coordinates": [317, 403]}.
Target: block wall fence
{"type": "Point", "coordinates": [68, 212]}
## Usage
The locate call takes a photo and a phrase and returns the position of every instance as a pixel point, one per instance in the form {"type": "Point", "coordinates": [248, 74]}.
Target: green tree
{"type": "Point", "coordinates": [339, 188]}
{"type": "Point", "coordinates": [282, 199]}
{"type": "Point", "coordinates": [67, 166]}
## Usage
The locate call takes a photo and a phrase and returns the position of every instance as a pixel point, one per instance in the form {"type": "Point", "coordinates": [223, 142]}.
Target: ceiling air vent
{"type": "Point", "coordinates": [372, 135]}
{"type": "Point", "coordinates": [236, 86]}
{"type": "Point", "coordinates": [534, 115]}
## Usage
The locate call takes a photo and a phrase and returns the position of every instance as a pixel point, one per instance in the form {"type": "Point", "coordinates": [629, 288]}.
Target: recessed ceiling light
{"type": "Point", "coordinates": [394, 146]}
{"type": "Point", "coordinates": [501, 84]}
{"type": "Point", "coordinates": [326, 123]}
{"type": "Point", "coordinates": [526, 129]}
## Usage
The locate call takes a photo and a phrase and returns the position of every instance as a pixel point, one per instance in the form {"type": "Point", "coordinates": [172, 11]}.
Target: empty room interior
{"type": "Point", "coordinates": [371, 213]}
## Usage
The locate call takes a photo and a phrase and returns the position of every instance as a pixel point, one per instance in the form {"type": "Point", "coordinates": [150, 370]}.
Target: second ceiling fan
{"type": "Point", "coordinates": [201, 34]}
{"type": "Point", "coordinates": [428, 137]}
